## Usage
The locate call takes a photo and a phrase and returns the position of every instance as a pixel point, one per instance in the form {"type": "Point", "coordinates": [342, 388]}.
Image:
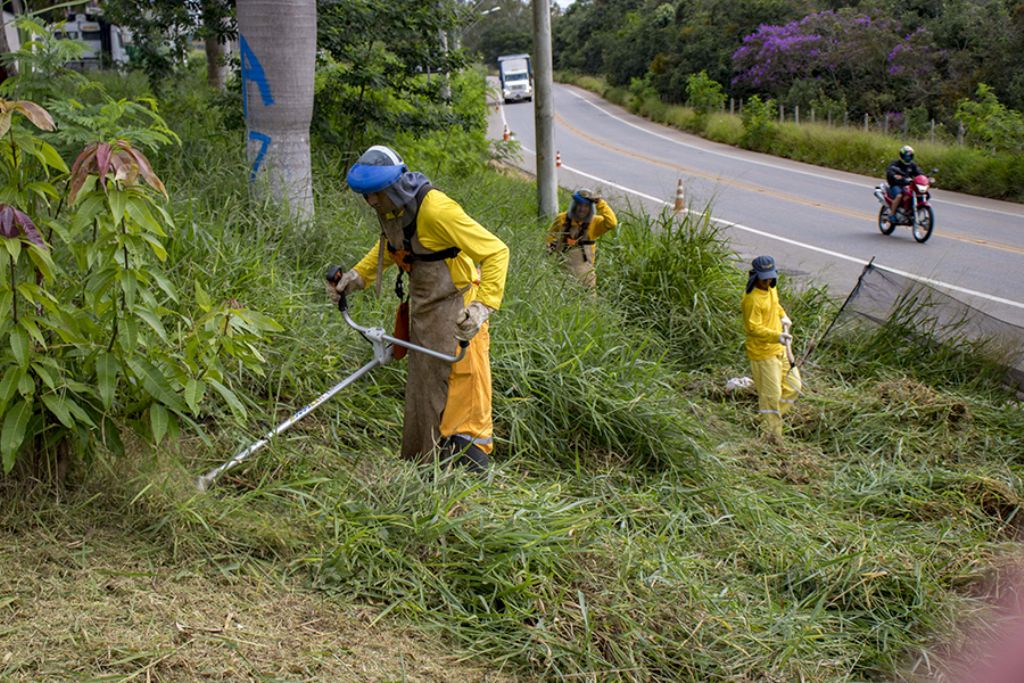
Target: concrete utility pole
{"type": "Point", "coordinates": [544, 111]}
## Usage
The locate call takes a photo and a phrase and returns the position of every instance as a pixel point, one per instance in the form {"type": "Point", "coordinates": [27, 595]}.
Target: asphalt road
{"type": "Point", "coordinates": [818, 223]}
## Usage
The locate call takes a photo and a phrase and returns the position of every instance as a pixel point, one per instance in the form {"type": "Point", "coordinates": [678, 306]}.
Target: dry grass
{"type": "Point", "coordinates": [96, 604]}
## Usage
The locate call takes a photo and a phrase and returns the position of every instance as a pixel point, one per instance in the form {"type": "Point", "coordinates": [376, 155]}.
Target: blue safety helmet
{"type": "Point", "coordinates": [762, 268]}
{"type": "Point", "coordinates": [379, 167]}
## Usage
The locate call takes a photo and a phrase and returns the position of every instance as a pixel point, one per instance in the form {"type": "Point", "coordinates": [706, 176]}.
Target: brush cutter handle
{"type": "Point", "coordinates": [377, 334]}
{"type": "Point", "coordinates": [789, 344]}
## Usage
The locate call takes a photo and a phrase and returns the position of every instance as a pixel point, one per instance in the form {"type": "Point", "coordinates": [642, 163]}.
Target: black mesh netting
{"type": "Point", "coordinates": [885, 298]}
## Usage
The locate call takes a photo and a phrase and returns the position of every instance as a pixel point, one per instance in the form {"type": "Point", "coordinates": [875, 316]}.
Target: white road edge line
{"type": "Point", "coordinates": [780, 167]}
{"type": "Point", "coordinates": [811, 247]}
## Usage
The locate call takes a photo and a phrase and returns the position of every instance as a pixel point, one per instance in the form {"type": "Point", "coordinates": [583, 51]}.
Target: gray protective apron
{"type": "Point", "coordinates": [434, 305]}
{"type": "Point", "coordinates": [579, 257]}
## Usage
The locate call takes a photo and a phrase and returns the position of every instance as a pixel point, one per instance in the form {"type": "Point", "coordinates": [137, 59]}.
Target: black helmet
{"type": "Point", "coordinates": [906, 154]}
{"type": "Point", "coordinates": [762, 268]}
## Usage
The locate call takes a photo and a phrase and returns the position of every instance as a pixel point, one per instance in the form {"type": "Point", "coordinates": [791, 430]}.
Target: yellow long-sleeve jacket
{"type": "Point", "coordinates": [441, 224]}
{"type": "Point", "coordinates": [762, 321]}
{"type": "Point", "coordinates": [603, 221]}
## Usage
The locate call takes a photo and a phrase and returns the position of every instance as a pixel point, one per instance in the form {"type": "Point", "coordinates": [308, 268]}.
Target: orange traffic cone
{"type": "Point", "coordinates": [680, 200]}
{"type": "Point", "coordinates": [558, 159]}
{"type": "Point", "coordinates": [506, 135]}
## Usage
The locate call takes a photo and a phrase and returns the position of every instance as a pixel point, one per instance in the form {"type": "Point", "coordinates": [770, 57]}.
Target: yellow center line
{"type": "Point", "coordinates": [760, 189]}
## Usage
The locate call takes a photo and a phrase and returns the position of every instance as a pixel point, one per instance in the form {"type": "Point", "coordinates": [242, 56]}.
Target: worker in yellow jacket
{"type": "Point", "coordinates": [456, 273]}
{"type": "Point", "coordinates": [576, 230]}
{"type": "Point", "coordinates": [769, 346]}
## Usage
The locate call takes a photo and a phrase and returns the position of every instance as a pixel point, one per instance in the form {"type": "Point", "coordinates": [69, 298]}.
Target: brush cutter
{"type": "Point", "coordinates": [382, 344]}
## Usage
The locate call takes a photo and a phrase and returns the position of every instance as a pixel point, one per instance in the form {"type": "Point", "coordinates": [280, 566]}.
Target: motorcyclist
{"type": "Point", "coordinates": [899, 174]}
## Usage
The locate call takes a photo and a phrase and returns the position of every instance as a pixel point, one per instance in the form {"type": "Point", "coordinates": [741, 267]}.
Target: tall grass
{"type": "Point", "coordinates": [679, 276]}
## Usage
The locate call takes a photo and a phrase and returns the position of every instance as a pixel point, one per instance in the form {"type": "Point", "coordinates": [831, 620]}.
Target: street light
{"type": "Point", "coordinates": [479, 16]}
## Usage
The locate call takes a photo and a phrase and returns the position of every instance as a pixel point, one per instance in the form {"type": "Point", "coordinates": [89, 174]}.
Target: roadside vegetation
{"type": "Point", "coordinates": [964, 168]}
{"type": "Point", "coordinates": [634, 528]}
{"type": "Point", "coordinates": [920, 75]}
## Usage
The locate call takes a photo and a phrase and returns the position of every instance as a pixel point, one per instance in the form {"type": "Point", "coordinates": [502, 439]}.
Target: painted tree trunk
{"type": "Point", "coordinates": [277, 47]}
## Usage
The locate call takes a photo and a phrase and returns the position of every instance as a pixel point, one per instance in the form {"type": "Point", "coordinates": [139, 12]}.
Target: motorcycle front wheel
{"type": "Point", "coordinates": [884, 223]}
{"type": "Point", "coordinates": [925, 223]}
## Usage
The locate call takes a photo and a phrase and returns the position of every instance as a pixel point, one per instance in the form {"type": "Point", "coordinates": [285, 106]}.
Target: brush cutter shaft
{"type": "Point", "coordinates": [789, 346]}
{"type": "Point", "coordinates": [212, 475]}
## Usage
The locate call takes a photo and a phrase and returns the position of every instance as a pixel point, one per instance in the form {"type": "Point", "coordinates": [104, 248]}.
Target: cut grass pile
{"type": "Point", "coordinates": [86, 599]}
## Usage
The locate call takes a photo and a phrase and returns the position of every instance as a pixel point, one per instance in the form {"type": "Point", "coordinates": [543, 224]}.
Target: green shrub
{"type": "Point", "coordinates": [704, 94]}
{"type": "Point", "coordinates": [990, 124]}
{"type": "Point", "coordinates": [759, 126]}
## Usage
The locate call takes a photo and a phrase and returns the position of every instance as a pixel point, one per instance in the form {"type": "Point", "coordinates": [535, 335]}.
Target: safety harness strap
{"type": "Point", "coordinates": [406, 256]}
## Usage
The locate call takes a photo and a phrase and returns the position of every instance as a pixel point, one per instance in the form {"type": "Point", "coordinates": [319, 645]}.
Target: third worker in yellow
{"type": "Point", "coordinates": [575, 232]}
{"type": "Point", "coordinates": [769, 349]}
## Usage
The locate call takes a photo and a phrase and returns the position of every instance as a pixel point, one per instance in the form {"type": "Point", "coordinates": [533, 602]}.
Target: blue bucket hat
{"type": "Point", "coordinates": [762, 268]}
{"type": "Point", "coordinates": [379, 167]}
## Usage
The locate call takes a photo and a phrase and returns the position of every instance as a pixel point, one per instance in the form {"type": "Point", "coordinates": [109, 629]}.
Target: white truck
{"type": "Point", "coordinates": [516, 78]}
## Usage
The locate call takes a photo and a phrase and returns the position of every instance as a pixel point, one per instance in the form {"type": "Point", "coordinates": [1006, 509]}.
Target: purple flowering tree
{"type": "Point", "coordinates": [866, 60]}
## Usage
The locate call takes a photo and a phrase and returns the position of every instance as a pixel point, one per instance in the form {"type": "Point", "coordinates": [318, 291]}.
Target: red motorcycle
{"type": "Point", "coordinates": [909, 207]}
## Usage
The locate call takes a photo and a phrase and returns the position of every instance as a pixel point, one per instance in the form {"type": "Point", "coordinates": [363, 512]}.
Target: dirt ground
{"type": "Point", "coordinates": [99, 608]}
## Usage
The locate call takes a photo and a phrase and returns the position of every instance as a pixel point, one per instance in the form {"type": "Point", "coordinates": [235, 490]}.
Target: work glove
{"type": "Point", "coordinates": [469, 320]}
{"type": "Point", "coordinates": [350, 282]}
{"type": "Point", "coordinates": [785, 338]}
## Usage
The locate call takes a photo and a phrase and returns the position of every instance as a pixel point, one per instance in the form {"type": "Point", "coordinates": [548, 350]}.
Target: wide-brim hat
{"type": "Point", "coordinates": [762, 268]}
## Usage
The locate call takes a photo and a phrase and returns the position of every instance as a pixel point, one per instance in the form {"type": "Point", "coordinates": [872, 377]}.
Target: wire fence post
{"type": "Point", "coordinates": [865, 123]}
{"type": "Point", "coordinates": [812, 114]}
{"type": "Point", "coordinates": [796, 114]}
{"type": "Point", "coordinates": [932, 133]}
{"type": "Point", "coordinates": [782, 113]}
{"type": "Point", "coordinates": [732, 102]}
{"type": "Point", "coordinates": [960, 132]}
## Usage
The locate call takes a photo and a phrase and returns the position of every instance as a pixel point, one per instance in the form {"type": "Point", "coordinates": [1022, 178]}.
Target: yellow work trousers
{"type": "Point", "coordinates": [467, 412]}
{"type": "Point", "coordinates": [777, 389]}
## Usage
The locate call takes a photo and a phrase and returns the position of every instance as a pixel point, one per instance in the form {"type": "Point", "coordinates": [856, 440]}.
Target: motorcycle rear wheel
{"type": "Point", "coordinates": [885, 224]}
{"type": "Point", "coordinates": [925, 224]}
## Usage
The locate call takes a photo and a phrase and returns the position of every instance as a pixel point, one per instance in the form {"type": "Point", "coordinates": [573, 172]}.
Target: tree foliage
{"type": "Point", "coordinates": [876, 59]}
{"type": "Point", "coordinates": [162, 30]}
{"type": "Point", "coordinates": [385, 69]}
{"type": "Point", "coordinates": [505, 29]}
